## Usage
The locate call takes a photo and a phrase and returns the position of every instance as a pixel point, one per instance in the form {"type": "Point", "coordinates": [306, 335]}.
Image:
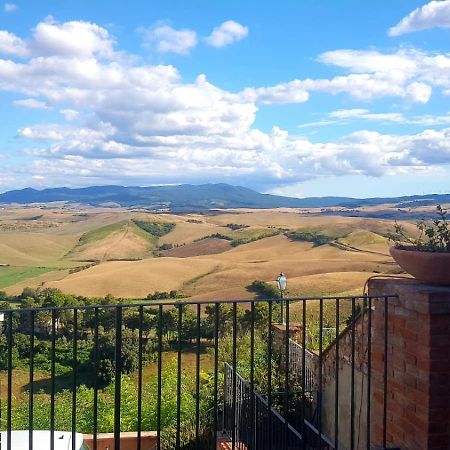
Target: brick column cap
{"type": "Point", "coordinates": [422, 297]}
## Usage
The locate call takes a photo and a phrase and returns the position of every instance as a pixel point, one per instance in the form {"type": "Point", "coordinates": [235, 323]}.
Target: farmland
{"type": "Point", "coordinates": [93, 252]}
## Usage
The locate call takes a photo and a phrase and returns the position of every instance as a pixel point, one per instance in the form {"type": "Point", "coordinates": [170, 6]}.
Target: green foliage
{"type": "Point", "coordinates": [163, 295]}
{"type": "Point", "coordinates": [166, 246]}
{"type": "Point", "coordinates": [157, 229]}
{"type": "Point", "coordinates": [264, 289]}
{"type": "Point", "coordinates": [225, 237]}
{"type": "Point", "coordinates": [310, 236]}
{"type": "Point", "coordinates": [242, 236]}
{"type": "Point", "coordinates": [85, 402]}
{"type": "Point", "coordinates": [83, 267]}
{"type": "Point", "coordinates": [107, 354]}
{"type": "Point", "coordinates": [236, 226]}
{"type": "Point", "coordinates": [434, 236]}
{"type": "Point", "coordinates": [129, 360]}
{"type": "Point", "coordinates": [246, 236]}
{"type": "Point", "coordinates": [243, 349]}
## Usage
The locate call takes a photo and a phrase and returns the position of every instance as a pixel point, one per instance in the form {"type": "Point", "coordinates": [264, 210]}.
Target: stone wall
{"type": "Point", "coordinates": [345, 386]}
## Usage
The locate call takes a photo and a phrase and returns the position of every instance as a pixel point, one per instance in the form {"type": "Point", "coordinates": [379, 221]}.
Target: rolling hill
{"type": "Point", "coordinates": [187, 197]}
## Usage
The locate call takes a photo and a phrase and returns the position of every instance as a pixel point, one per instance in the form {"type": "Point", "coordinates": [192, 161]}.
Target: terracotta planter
{"type": "Point", "coordinates": [430, 267]}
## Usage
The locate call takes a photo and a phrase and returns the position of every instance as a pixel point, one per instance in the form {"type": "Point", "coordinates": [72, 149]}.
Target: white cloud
{"type": "Point", "coordinates": [71, 39]}
{"type": "Point", "coordinates": [9, 7]}
{"type": "Point", "coordinates": [264, 159]}
{"type": "Point", "coordinates": [369, 61]}
{"type": "Point", "coordinates": [10, 44]}
{"type": "Point", "coordinates": [408, 74]}
{"type": "Point", "coordinates": [227, 33]}
{"type": "Point", "coordinates": [31, 103]}
{"type": "Point", "coordinates": [70, 114]}
{"type": "Point", "coordinates": [145, 123]}
{"type": "Point", "coordinates": [291, 92]}
{"type": "Point", "coordinates": [55, 132]}
{"type": "Point", "coordinates": [418, 92]}
{"type": "Point", "coordinates": [358, 85]}
{"type": "Point", "coordinates": [346, 116]}
{"type": "Point", "coordinates": [435, 14]}
{"type": "Point", "coordinates": [365, 114]}
{"type": "Point", "coordinates": [169, 40]}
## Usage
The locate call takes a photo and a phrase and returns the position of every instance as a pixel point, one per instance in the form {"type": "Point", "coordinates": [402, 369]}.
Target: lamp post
{"type": "Point", "coordinates": [282, 285]}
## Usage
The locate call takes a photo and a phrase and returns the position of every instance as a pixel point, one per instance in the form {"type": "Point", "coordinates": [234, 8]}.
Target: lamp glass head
{"type": "Point", "coordinates": [282, 282]}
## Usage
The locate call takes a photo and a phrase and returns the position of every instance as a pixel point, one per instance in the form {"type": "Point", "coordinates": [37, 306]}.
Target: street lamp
{"type": "Point", "coordinates": [282, 285]}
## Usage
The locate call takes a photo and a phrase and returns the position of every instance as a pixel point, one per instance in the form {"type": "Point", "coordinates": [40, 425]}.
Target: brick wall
{"type": "Point", "coordinates": [418, 361]}
{"type": "Point", "coordinates": [128, 441]}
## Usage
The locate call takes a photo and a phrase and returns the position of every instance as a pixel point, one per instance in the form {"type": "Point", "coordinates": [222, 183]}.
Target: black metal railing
{"type": "Point", "coordinates": [193, 372]}
{"type": "Point", "coordinates": [248, 413]}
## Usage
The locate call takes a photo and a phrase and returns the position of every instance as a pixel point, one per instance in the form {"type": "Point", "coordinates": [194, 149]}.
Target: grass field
{"type": "Point", "coordinates": [181, 256]}
{"type": "Point", "coordinates": [13, 275]}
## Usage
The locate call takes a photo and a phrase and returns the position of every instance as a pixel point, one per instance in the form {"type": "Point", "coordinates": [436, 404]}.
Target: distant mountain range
{"type": "Point", "coordinates": [189, 197]}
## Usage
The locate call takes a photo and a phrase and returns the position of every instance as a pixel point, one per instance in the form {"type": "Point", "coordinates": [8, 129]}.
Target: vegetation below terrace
{"type": "Point", "coordinates": [104, 365]}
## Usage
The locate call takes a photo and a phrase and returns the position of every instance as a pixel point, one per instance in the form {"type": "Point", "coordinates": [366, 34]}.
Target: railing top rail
{"type": "Point", "coordinates": [180, 303]}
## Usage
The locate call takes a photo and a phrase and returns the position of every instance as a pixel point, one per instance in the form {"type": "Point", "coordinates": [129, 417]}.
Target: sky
{"type": "Point", "coordinates": [299, 98]}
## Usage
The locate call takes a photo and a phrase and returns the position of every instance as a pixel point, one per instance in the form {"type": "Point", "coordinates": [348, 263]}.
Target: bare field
{"type": "Point", "coordinates": [189, 260]}
{"type": "Point", "coordinates": [135, 279]}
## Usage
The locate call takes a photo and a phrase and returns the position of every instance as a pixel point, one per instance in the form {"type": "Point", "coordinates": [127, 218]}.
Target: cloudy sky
{"type": "Point", "coordinates": [303, 98]}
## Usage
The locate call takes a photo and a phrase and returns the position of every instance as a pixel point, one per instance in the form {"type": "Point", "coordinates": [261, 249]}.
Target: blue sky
{"type": "Point", "coordinates": [302, 98]}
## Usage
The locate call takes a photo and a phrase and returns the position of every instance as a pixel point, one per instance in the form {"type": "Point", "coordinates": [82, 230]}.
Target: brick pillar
{"type": "Point", "coordinates": [418, 403]}
{"type": "Point", "coordinates": [279, 334]}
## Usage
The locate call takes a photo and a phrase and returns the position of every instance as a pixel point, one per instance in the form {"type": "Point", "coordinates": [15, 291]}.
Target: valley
{"type": "Point", "coordinates": [130, 253]}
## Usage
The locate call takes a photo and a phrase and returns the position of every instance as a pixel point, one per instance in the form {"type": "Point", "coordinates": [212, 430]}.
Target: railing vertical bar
{"type": "Point", "coordinates": [96, 369]}
{"type": "Point", "coordinates": [139, 399]}
{"type": "Point", "coordinates": [252, 377]}
{"type": "Point", "coordinates": [118, 378]}
{"type": "Point", "coordinates": [369, 370]}
{"type": "Point", "coordinates": [216, 370]}
{"type": "Point", "coordinates": [10, 371]}
{"type": "Point", "coordinates": [269, 375]}
{"type": "Point", "coordinates": [74, 376]}
{"type": "Point", "coordinates": [180, 325]}
{"type": "Point", "coordinates": [197, 378]}
{"type": "Point", "coordinates": [31, 392]}
{"type": "Point", "coordinates": [352, 379]}
{"type": "Point", "coordinates": [385, 371]}
{"type": "Point", "coordinates": [225, 397]}
{"type": "Point", "coordinates": [158, 408]}
{"type": "Point", "coordinates": [52, 381]}
{"type": "Point", "coordinates": [286, 379]}
{"type": "Point", "coordinates": [233, 411]}
{"type": "Point", "coordinates": [257, 428]}
{"type": "Point", "coordinates": [303, 424]}
{"type": "Point", "coordinates": [336, 390]}
{"type": "Point", "coordinates": [319, 396]}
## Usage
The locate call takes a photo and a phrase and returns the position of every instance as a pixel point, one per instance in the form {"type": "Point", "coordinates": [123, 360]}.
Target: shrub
{"type": "Point", "coordinates": [157, 229]}
{"type": "Point", "coordinates": [434, 236]}
{"type": "Point", "coordinates": [264, 289]}
{"type": "Point", "coordinates": [310, 236]}
{"type": "Point", "coordinates": [236, 226]}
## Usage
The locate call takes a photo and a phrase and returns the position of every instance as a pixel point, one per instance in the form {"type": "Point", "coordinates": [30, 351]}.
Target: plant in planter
{"type": "Point", "coordinates": [426, 257]}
